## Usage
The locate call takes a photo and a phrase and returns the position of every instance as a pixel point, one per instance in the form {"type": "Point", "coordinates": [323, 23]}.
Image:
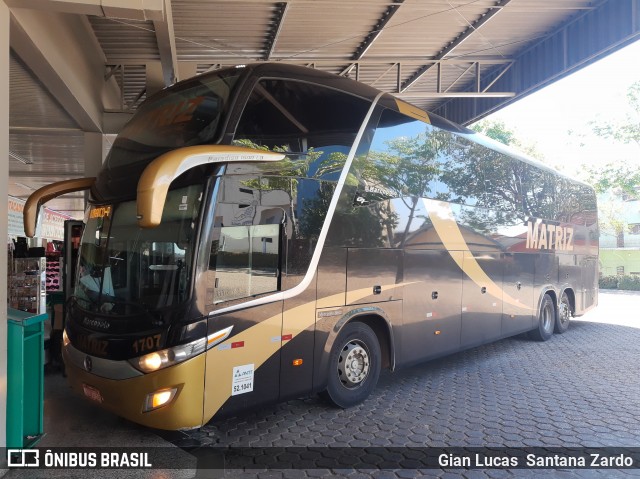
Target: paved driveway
{"type": "Point", "coordinates": [577, 389]}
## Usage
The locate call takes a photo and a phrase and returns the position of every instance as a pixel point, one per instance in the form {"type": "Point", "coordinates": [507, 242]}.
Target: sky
{"type": "Point", "coordinates": [594, 93]}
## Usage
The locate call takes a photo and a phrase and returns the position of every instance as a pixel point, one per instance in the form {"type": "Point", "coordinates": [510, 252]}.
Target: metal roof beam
{"type": "Point", "coordinates": [63, 53]}
{"type": "Point", "coordinates": [586, 38]}
{"type": "Point", "coordinates": [395, 65]}
{"type": "Point", "coordinates": [43, 174]}
{"type": "Point", "coordinates": [456, 94]}
{"type": "Point", "coordinates": [371, 37]}
{"type": "Point", "coordinates": [473, 28]}
{"type": "Point", "coordinates": [167, 45]}
{"type": "Point", "coordinates": [346, 70]}
{"type": "Point", "coordinates": [43, 129]}
{"type": "Point", "coordinates": [129, 9]}
{"type": "Point", "coordinates": [377, 30]}
{"type": "Point", "coordinates": [276, 26]}
{"type": "Point", "coordinates": [485, 59]}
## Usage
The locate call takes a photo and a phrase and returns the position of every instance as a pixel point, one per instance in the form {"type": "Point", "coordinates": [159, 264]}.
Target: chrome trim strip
{"type": "Point", "coordinates": [106, 368]}
{"type": "Point", "coordinates": [315, 259]}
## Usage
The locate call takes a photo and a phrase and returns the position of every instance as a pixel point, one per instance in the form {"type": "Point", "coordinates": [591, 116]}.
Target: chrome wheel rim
{"type": "Point", "coordinates": [547, 319]}
{"type": "Point", "coordinates": [353, 364]}
{"type": "Point", "coordinates": [564, 313]}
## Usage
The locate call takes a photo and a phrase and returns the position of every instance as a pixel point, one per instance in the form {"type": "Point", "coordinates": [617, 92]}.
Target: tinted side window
{"type": "Point", "coordinates": [247, 239]}
{"type": "Point", "coordinates": [503, 185]}
{"type": "Point", "coordinates": [464, 173]}
{"type": "Point", "coordinates": [405, 159]}
{"type": "Point", "coordinates": [534, 191]}
{"type": "Point", "coordinates": [247, 261]}
{"type": "Point", "coordinates": [315, 127]}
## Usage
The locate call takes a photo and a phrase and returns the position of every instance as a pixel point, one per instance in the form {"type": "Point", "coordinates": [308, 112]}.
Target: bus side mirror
{"type": "Point", "coordinates": [31, 213]}
{"type": "Point", "coordinates": [39, 220]}
{"type": "Point", "coordinates": [158, 175]}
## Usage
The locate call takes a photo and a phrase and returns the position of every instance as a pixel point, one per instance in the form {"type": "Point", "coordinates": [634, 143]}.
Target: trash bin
{"type": "Point", "coordinates": [25, 378]}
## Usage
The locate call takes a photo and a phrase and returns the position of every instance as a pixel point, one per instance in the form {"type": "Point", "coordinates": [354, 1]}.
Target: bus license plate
{"type": "Point", "coordinates": [92, 393]}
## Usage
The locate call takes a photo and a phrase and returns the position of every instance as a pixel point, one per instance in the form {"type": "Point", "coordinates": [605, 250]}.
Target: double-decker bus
{"type": "Point", "coordinates": [268, 231]}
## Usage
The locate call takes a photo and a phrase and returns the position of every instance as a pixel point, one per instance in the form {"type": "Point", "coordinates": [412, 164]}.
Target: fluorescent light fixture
{"type": "Point", "coordinates": [24, 161]}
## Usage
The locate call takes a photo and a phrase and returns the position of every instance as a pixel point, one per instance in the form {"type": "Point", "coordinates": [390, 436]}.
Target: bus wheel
{"type": "Point", "coordinates": [564, 314]}
{"type": "Point", "coordinates": [354, 365]}
{"type": "Point", "coordinates": [546, 320]}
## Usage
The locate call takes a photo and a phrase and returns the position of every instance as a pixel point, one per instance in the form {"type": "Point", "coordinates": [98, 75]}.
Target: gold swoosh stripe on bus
{"type": "Point", "coordinates": [447, 228]}
{"type": "Point", "coordinates": [412, 111]}
{"type": "Point", "coordinates": [258, 349]}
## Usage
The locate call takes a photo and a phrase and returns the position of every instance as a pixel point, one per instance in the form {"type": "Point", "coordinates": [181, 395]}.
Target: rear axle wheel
{"type": "Point", "coordinates": [546, 320]}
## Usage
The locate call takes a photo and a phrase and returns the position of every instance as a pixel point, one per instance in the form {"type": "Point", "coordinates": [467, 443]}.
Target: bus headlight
{"type": "Point", "coordinates": [65, 338]}
{"type": "Point", "coordinates": [168, 357]}
{"type": "Point", "coordinates": [151, 362]}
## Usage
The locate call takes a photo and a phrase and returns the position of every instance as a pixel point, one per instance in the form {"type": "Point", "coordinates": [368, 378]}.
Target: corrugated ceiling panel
{"type": "Point", "coordinates": [51, 153]}
{"type": "Point", "coordinates": [30, 104]}
{"type": "Point", "coordinates": [327, 30]}
{"type": "Point", "coordinates": [132, 80]}
{"type": "Point", "coordinates": [55, 157]}
{"type": "Point", "coordinates": [324, 34]}
{"type": "Point", "coordinates": [422, 29]}
{"type": "Point", "coordinates": [233, 32]}
{"type": "Point", "coordinates": [126, 39]}
{"type": "Point", "coordinates": [518, 26]}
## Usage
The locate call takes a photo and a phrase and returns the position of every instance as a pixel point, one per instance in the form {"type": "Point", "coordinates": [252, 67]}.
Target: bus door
{"type": "Point", "coordinates": [243, 371]}
{"type": "Point", "coordinates": [296, 355]}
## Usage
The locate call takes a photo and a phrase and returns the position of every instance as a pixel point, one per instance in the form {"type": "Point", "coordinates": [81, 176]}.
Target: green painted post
{"type": "Point", "coordinates": [25, 378]}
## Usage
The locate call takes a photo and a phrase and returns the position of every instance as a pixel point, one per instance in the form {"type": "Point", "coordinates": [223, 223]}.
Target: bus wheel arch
{"type": "Point", "coordinates": [359, 351]}
{"type": "Point", "coordinates": [546, 319]}
{"type": "Point", "coordinates": [565, 310]}
{"type": "Point", "coordinates": [382, 329]}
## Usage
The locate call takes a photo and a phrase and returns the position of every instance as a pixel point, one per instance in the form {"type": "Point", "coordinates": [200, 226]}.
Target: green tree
{"type": "Point", "coordinates": [407, 168]}
{"type": "Point", "coordinates": [499, 131]}
{"type": "Point", "coordinates": [622, 180]}
{"type": "Point", "coordinates": [628, 129]}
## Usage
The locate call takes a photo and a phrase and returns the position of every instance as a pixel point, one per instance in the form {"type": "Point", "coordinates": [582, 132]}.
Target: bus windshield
{"type": "Point", "coordinates": [123, 269]}
{"type": "Point", "coordinates": [190, 114]}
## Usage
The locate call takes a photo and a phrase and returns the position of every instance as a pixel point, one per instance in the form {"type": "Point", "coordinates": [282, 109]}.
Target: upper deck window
{"type": "Point", "coordinates": [189, 114]}
{"type": "Point", "coordinates": [315, 125]}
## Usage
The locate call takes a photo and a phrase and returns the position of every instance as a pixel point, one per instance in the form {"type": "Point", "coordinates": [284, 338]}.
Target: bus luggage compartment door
{"type": "Point", "coordinates": [373, 275]}
{"type": "Point", "coordinates": [518, 309]}
{"type": "Point", "coordinates": [431, 312]}
{"type": "Point", "coordinates": [481, 298]}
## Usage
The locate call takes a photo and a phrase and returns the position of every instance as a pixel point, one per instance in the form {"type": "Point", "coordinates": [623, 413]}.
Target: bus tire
{"type": "Point", "coordinates": [564, 315]}
{"type": "Point", "coordinates": [546, 320]}
{"type": "Point", "coordinates": [354, 366]}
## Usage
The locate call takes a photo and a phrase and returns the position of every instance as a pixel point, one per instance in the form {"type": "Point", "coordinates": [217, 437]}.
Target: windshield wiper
{"type": "Point", "coordinates": [76, 299]}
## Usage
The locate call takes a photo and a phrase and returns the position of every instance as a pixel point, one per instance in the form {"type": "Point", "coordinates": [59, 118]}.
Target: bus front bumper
{"type": "Point", "coordinates": [127, 397]}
